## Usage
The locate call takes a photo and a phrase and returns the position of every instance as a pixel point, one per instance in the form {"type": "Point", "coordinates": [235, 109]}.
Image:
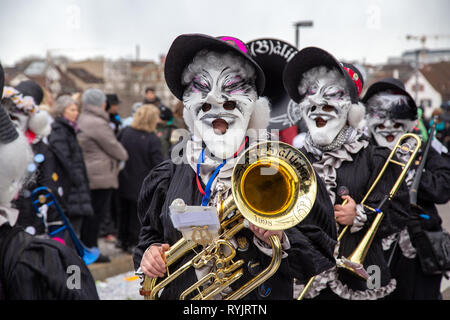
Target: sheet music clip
{"type": "Point", "coordinates": [197, 223]}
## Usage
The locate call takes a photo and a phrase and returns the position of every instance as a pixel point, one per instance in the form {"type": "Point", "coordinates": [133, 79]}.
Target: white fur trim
{"type": "Point", "coordinates": [261, 114]}
{"type": "Point", "coordinates": [40, 124]}
{"type": "Point", "coordinates": [356, 114]}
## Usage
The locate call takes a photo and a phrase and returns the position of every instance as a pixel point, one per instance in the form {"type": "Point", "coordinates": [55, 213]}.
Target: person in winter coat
{"type": "Point", "coordinates": [144, 149]}
{"type": "Point", "coordinates": [63, 140]}
{"type": "Point", "coordinates": [102, 153]}
{"type": "Point", "coordinates": [31, 268]}
{"type": "Point", "coordinates": [22, 105]}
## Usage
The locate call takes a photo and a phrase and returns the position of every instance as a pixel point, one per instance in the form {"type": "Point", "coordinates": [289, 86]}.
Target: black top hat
{"type": "Point", "coordinates": [8, 132]}
{"type": "Point", "coordinates": [184, 48]}
{"type": "Point", "coordinates": [311, 57]}
{"type": "Point", "coordinates": [395, 86]}
{"type": "Point", "coordinates": [31, 88]}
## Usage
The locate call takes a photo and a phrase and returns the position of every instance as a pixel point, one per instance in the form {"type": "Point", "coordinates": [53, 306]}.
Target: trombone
{"type": "Point", "coordinates": [273, 187]}
{"type": "Point", "coordinates": [354, 262]}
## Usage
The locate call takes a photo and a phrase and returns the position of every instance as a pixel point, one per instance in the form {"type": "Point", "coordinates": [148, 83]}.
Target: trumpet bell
{"type": "Point", "coordinates": [274, 185]}
{"type": "Point", "coordinates": [268, 194]}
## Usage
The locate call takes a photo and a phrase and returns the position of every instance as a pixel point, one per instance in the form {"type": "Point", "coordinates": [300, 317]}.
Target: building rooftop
{"type": "Point", "coordinates": [438, 74]}
{"type": "Point", "coordinates": [85, 75]}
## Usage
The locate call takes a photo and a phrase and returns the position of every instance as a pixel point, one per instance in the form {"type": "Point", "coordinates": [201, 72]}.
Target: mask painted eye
{"type": "Point", "coordinates": [229, 105]}
{"type": "Point", "coordinates": [312, 90]}
{"type": "Point", "coordinates": [334, 93]}
{"type": "Point", "coordinates": [328, 108]}
{"type": "Point", "coordinates": [206, 107]}
{"type": "Point", "coordinates": [397, 125]}
{"type": "Point", "coordinates": [200, 85]}
{"type": "Point", "coordinates": [381, 126]}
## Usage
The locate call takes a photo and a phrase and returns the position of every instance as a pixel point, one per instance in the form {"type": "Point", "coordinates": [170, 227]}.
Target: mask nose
{"type": "Point", "coordinates": [389, 124]}
{"type": "Point", "coordinates": [316, 100]}
{"type": "Point", "coordinates": [214, 99]}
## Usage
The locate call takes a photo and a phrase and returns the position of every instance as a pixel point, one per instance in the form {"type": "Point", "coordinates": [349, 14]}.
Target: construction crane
{"type": "Point", "coordinates": [423, 38]}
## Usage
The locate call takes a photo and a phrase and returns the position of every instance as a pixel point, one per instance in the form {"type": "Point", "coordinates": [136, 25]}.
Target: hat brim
{"type": "Point", "coordinates": [305, 60]}
{"type": "Point", "coordinates": [388, 84]}
{"type": "Point", "coordinates": [385, 85]}
{"type": "Point", "coordinates": [183, 50]}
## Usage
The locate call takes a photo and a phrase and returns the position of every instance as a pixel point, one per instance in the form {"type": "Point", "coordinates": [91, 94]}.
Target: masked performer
{"type": "Point", "coordinates": [327, 93]}
{"type": "Point", "coordinates": [22, 105]}
{"type": "Point", "coordinates": [391, 112]}
{"type": "Point", "coordinates": [30, 267]}
{"type": "Point", "coordinates": [220, 86]}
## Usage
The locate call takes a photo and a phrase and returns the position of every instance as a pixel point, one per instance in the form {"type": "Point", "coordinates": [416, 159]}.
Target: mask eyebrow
{"type": "Point", "coordinates": [224, 69]}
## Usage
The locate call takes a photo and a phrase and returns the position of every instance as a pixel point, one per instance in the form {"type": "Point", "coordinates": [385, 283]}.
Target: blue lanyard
{"type": "Point", "coordinates": [207, 192]}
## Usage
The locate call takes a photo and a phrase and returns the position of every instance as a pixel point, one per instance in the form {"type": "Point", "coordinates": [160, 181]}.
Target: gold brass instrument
{"type": "Point", "coordinates": [273, 187]}
{"type": "Point", "coordinates": [354, 262]}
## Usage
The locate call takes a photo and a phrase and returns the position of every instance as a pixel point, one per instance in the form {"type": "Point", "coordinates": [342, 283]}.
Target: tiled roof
{"type": "Point", "coordinates": [438, 74]}
{"type": "Point", "coordinates": [85, 75]}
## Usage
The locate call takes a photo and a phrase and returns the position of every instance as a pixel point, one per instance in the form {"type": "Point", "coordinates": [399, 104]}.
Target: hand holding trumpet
{"type": "Point", "coordinates": [154, 262]}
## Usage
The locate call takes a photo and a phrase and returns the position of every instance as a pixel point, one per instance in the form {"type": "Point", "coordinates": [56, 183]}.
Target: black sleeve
{"type": "Point", "coordinates": [396, 211]}
{"type": "Point", "coordinates": [48, 167]}
{"type": "Point", "coordinates": [150, 203]}
{"type": "Point", "coordinates": [59, 146]}
{"type": "Point", "coordinates": [48, 270]}
{"type": "Point", "coordinates": [313, 240]}
{"type": "Point", "coordinates": [435, 181]}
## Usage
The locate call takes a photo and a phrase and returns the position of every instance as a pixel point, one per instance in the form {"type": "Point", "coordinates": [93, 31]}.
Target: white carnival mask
{"type": "Point", "coordinates": [219, 100]}
{"type": "Point", "coordinates": [325, 104]}
{"type": "Point", "coordinates": [382, 125]}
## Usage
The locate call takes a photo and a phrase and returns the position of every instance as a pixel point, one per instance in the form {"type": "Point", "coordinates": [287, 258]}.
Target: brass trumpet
{"type": "Point", "coordinates": [354, 262]}
{"type": "Point", "coordinates": [273, 187]}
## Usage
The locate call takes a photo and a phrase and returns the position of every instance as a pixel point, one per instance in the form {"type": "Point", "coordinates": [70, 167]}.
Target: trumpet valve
{"type": "Point", "coordinates": [220, 264]}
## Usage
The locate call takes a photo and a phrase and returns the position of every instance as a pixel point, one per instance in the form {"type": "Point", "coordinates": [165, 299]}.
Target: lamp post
{"type": "Point", "coordinates": [297, 26]}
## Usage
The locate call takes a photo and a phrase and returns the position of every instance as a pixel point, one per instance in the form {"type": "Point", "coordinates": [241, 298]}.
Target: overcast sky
{"type": "Point", "coordinates": [363, 30]}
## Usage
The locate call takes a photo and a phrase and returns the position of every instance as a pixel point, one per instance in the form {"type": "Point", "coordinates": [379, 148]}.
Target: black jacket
{"type": "Point", "coordinates": [144, 153]}
{"type": "Point", "coordinates": [312, 241]}
{"type": "Point", "coordinates": [41, 269]}
{"type": "Point", "coordinates": [76, 194]}
{"type": "Point", "coordinates": [46, 174]}
{"type": "Point", "coordinates": [434, 187]}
